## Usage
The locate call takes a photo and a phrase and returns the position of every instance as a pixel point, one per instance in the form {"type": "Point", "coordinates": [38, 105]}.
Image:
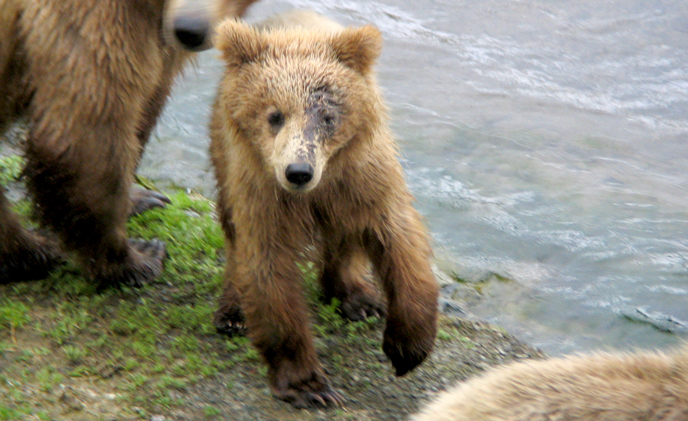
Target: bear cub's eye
{"type": "Point", "coordinates": [276, 120]}
{"type": "Point", "coordinates": [329, 120]}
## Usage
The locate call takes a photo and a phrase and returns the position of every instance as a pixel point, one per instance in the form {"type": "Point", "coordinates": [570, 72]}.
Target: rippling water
{"type": "Point", "coordinates": [545, 143]}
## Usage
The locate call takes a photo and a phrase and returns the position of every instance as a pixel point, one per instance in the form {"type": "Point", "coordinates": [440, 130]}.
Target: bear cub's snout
{"type": "Point", "coordinates": [299, 173]}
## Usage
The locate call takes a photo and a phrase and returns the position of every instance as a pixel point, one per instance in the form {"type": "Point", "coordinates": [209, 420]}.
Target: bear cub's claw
{"type": "Point", "coordinates": [230, 328]}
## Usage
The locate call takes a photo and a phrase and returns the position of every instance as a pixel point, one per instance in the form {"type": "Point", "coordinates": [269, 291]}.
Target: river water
{"type": "Point", "coordinates": [545, 143]}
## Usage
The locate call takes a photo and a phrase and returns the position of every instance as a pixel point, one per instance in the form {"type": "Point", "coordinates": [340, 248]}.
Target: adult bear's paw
{"type": "Point", "coordinates": [148, 261]}
{"type": "Point", "coordinates": [144, 264]}
{"type": "Point", "coordinates": [143, 199]}
{"type": "Point", "coordinates": [30, 260]}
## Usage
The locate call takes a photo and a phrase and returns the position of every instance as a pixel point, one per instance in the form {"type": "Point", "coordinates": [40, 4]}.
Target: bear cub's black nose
{"type": "Point", "coordinates": [299, 174]}
{"type": "Point", "coordinates": [192, 33]}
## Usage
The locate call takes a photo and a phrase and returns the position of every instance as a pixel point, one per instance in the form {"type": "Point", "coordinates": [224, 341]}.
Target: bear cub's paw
{"type": "Point", "coordinates": [360, 305]}
{"type": "Point", "coordinates": [315, 392]}
{"type": "Point", "coordinates": [229, 320]}
{"type": "Point", "coordinates": [406, 351]}
{"type": "Point", "coordinates": [143, 200]}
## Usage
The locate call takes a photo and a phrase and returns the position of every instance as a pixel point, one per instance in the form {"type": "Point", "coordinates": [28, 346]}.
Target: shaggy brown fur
{"type": "Point", "coordinates": [303, 155]}
{"type": "Point", "coordinates": [90, 77]}
{"type": "Point", "coordinates": [600, 387]}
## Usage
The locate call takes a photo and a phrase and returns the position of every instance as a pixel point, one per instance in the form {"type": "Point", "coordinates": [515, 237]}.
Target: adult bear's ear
{"type": "Point", "coordinates": [239, 43]}
{"type": "Point", "coordinates": [358, 48]}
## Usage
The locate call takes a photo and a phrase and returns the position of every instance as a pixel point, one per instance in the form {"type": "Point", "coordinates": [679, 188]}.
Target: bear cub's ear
{"type": "Point", "coordinates": [358, 48]}
{"type": "Point", "coordinates": [239, 43]}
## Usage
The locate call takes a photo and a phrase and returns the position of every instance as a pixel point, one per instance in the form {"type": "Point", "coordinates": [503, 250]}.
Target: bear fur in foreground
{"type": "Point", "coordinates": [90, 77]}
{"type": "Point", "coordinates": [598, 387]}
{"type": "Point", "coordinates": [303, 156]}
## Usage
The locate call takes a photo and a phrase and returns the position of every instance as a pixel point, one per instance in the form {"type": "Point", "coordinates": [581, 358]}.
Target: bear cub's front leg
{"type": "Point", "coordinates": [229, 317]}
{"type": "Point", "coordinates": [272, 306]}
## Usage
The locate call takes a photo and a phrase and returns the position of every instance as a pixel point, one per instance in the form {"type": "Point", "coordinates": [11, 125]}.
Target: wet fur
{"type": "Point", "coordinates": [599, 387]}
{"type": "Point", "coordinates": [90, 77]}
{"type": "Point", "coordinates": [357, 211]}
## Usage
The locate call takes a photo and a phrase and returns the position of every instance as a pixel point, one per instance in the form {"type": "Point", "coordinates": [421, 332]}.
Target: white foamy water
{"type": "Point", "coordinates": [545, 143]}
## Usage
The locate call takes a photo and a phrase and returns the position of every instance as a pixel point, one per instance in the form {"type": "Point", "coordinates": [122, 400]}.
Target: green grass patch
{"type": "Point", "coordinates": [10, 170]}
{"type": "Point", "coordinates": [142, 342]}
{"type": "Point", "coordinates": [7, 413]}
{"type": "Point", "coordinates": [13, 315]}
{"type": "Point", "coordinates": [68, 351]}
{"type": "Point", "coordinates": [145, 346]}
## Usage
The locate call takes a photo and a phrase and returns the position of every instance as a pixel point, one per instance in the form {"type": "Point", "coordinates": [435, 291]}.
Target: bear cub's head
{"type": "Point", "coordinates": [297, 98]}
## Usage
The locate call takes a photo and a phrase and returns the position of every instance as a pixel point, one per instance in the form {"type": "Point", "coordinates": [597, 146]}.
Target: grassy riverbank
{"type": "Point", "coordinates": [70, 352]}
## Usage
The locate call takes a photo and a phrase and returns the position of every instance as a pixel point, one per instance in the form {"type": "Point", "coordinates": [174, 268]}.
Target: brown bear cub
{"type": "Point", "coordinates": [303, 155]}
{"type": "Point", "coordinates": [598, 387]}
{"type": "Point", "coordinates": [90, 78]}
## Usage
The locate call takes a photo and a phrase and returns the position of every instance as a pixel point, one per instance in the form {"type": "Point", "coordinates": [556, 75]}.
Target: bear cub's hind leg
{"type": "Point", "coordinates": [346, 267]}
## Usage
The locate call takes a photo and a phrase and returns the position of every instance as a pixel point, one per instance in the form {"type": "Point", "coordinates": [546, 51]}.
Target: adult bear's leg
{"type": "Point", "coordinates": [89, 90]}
{"type": "Point", "coordinates": [24, 256]}
{"type": "Point", "coordinates": [82, 193]}
{"type": "Point", "coordinates": [143, 199]}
